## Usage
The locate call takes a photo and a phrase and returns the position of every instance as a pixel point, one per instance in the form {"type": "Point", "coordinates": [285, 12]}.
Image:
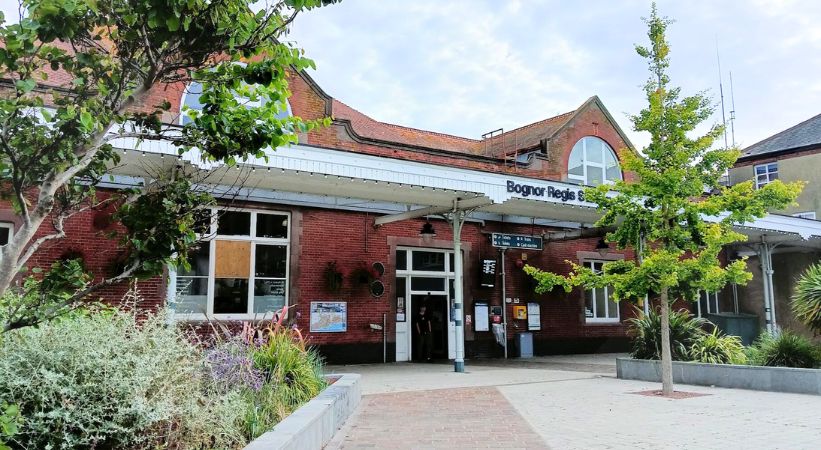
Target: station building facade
{"type": "Point", "coordinates": [354, 287]}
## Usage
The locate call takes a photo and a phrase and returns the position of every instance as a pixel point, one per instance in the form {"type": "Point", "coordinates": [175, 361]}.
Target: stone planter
{"type": "Point", "coordinates": [314, 424]}
{"type": "Point", "coordinates": [774, 379]}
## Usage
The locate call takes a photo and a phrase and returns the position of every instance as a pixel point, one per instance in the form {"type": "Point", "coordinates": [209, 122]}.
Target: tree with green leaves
{"type": "Point", "coordinates": [678, 205]}
{"type": "Point", "coordinates": [78, 75]}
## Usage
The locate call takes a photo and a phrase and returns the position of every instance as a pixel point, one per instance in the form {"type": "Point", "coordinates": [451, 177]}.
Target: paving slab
{"type": "Point", "coordinates": [426, 405]}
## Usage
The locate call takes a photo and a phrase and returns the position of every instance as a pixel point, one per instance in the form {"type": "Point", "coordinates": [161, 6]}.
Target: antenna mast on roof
{"type": "Point", "coordinates": [732, 109]}
{"type": "Point", "coordinates": [721, 92]}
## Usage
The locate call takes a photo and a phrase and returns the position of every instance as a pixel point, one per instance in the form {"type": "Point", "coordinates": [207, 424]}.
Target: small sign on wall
{"type": "Point", "coordinates": [520, 312]}
{"type": "Point", "coordinates": [400, 309]}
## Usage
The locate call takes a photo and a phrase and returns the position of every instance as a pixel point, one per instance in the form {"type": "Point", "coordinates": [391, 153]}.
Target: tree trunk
{"type": "Point", "coordinates": [666, 354]}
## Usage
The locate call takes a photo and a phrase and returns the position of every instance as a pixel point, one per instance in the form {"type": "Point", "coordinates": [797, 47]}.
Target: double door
{"type": "Point", "coordinates": [426, 279]}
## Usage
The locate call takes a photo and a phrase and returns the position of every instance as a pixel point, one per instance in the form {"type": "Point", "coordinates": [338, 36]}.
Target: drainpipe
{"type": "Point", "coordinates": [641, 261]}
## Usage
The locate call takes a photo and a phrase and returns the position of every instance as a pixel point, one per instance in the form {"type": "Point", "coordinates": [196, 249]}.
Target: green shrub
{"type": "Point", "coordinates": [293, 374]}
{"type": "Point", "coordinates": [786, 349]}
{"type": "Point", "coordinates": [9, 424]}
{"type": "Point", "coordinates": [645, 332]}
{"type": "Point", "coordinates": [718, 348]}
{"type": "Point", "coordinates": [806, 302]}
{"type": "Point", "coordinates": [104, 381]}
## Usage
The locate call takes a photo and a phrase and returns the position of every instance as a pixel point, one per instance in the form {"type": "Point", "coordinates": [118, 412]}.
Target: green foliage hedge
{"type": "Point", "coordinates": [690, 342]}
{"type": "Point", "coordinates": [785, 349]}
{"type": "Point", "coordinates": [645, 331]}
{"type": "Point", "coordinates": [107, 380]}
{"type": "Point", "coordinates": [718, 348]}
{"type": "Point", "coordinates": [806, 302]}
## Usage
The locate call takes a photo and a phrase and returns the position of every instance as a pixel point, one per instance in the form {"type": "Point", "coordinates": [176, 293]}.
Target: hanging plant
{"type": "Point", "coordinates": [333, 277]}
{"type": "Point", "coordinates": [364, 274]}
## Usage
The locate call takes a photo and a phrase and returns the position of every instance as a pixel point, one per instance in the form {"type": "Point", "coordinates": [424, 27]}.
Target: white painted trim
{"type": "Point", "coordinates": [605, 319]}
{"type": "Point", "coordinates": [401, 174]}
{"type": "Point", "coordinates": [767, 172]}
{"type": "Point", "coordinates": [214, 237]}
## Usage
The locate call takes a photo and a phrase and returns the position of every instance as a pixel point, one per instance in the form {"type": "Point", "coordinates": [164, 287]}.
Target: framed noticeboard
{"type": "Point", "coordinates": [482, 313]}
{"type": "Point", "coordinates": [329, 317]}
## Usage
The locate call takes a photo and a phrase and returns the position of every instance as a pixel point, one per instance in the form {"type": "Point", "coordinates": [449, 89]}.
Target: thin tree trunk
{"type": "Point", "coordinates": [666, 354]}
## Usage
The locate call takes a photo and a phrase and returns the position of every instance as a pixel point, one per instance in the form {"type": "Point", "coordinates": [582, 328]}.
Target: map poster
{"type": "Point", "coordinates": [329, 317]}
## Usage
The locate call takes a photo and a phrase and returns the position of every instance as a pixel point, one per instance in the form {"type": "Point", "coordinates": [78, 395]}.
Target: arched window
{"type": "Point", "coordinates": [592, 162]}
{"type": "Point", "coordinates": [191, 99]}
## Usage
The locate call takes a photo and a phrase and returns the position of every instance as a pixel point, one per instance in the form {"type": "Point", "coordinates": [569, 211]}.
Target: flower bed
{"type": "Point", "coordinates": [105, 379]}
{"type": "Point", "coordinates": [314, 423]}
{"type": "Point", "coordinates": [761, 378]}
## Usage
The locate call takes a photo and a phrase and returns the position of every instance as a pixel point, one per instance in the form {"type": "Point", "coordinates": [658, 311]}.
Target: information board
{"type": "Point", "coordinates": [329, 317]}
{"type": "Point", "coordinates": [488, 275]}
{"type": "Point", "coordinates": [504, 240]}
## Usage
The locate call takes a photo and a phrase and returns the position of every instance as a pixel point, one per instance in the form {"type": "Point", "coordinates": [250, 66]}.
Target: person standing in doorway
{"type": "Point", "coordinates": [423, 330]}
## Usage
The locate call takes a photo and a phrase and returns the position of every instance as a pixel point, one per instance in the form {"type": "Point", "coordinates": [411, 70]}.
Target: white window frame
{"type": "Point", "coordinates": [211, 240]}
{"type": "Point", "coordinates": [712, 304]}
{"type": "Point", "coordinates": [770, 172]}
{"type": "Point", "coordinates": [10, 227]}
{"type": "Point", "coordinates": [805, 215]}
{"type": "Point", "coordinates": [611, 320]}
{"type": "Point", "coordinates": [602, 166]}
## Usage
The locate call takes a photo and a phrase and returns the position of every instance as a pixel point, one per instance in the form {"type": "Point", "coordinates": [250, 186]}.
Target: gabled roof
{"type": "Point", "coordinates": [526, 137]}
{"type": "Point", "coordinates": [805, 134]}
{"type": "Point", "coordinates": [367, 127]}
{"type": "Point", "coordinates": [499, 146]}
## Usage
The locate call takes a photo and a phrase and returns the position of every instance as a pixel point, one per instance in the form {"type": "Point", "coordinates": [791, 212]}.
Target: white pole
{"type": "Point", "coordinates": [504, 305]}
{"type": "Point", "coordinates": [770, 283]}
{"type": "Point", "coordinates": [763, 256]}
{"type": "Point", "coordinates": [457, 219]}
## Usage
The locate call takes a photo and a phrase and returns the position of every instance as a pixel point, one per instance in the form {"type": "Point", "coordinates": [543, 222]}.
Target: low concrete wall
{"type": "Point", "coordinates": [314, 423]}
{"type": "Point", "coordinates": [774, 379]}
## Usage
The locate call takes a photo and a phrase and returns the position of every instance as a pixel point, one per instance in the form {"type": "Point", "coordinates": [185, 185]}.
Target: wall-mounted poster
{"type": "Point", "coordinates": [480, 310]}
{"type": "Point", "coordinates": [329, 317]}
{"type": "Point", "coordinates": [400, 309]}
{"type": "Point", "coordinates": [534, 316]}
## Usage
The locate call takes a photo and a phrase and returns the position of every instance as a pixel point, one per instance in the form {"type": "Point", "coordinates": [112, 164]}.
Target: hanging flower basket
{"type": "Point", "coordinates": [333, 277]}
{"type": "Point", "coordinates": [364, 274]}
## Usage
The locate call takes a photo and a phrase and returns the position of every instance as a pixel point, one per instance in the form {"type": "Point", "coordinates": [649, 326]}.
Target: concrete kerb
{"type": "Point", "coordinates": [314, 424]}
{"type": "Point", "coordinates": [773, 379]}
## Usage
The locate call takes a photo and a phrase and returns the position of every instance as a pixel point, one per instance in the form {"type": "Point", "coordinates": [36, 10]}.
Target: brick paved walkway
{"type": "Point", "coordinates": [531, 404]}
{"type": "Point", "coordinates": [474, 417]}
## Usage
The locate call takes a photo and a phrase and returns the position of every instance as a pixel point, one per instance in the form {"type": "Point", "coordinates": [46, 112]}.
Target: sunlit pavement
{"type": "Point", "coordinates": [563, 402]}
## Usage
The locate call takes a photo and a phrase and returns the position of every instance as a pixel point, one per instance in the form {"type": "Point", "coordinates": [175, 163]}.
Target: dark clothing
{"type": "Point", "coordinates": [422, 322]}
{"type": "Point", "coordinates": [422, 329]}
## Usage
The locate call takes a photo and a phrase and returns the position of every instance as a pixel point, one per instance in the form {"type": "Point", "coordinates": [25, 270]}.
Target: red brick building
{"type": "Point", "coordinates": [276, 241]}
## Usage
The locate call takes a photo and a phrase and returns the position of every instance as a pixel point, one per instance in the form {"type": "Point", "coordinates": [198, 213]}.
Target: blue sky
{"type": "Point", "coordinates": [466, 67]}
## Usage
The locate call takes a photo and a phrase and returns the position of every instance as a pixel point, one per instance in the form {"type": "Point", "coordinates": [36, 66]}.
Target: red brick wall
{"type": "Point", "coordinates": [89, 240]}
{"type": "Point", "coordinates": [349, 238]}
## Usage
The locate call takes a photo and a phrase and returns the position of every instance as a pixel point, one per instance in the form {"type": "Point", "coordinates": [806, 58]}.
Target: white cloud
{"type": "Point", "coordinates": [466, 67]}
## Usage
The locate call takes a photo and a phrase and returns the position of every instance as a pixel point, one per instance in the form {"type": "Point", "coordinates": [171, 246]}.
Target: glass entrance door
{"type": "Point", "coordinates": [424, 277]}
